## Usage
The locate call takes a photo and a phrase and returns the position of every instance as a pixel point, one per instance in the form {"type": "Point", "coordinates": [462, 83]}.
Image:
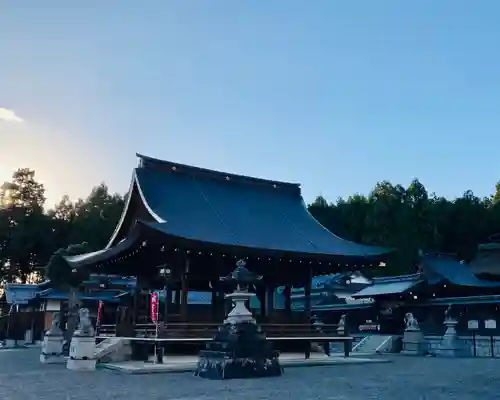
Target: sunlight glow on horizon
{"type": "Point", "coordinates": [5, 174]}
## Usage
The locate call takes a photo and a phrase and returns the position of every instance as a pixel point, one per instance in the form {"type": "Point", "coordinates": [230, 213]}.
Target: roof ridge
{"type": "Point", "coordinates": [211, 173]}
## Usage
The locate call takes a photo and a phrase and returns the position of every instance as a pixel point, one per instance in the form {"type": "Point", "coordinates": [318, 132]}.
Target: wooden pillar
{"type": "Point", "coordinates": [307, 306]}
{"type": "Point", "coordinates": [288, 299]}
{"type": "Point", "coordinates": [184, 291]}
{"type": "Point", "coordinates": [177, 299]}
{"type": "Point", "coordinates": [261, 295]}
{"type": "Point", "coordinates": [215, 303]}
{"type": "Point", "coordinates": [167, 303]}
{"type": "Point", "coordinates": [270, 301]}
{"type": "Point", "coordinates": [135, 305]}
{"type": "Point", "coordinates": [307, 295]}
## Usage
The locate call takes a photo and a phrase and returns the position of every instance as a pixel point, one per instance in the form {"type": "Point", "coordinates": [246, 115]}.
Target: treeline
{"type": "Point", "coordinates": [408, 219]}
{"type": "Point", "coordinates": [31, 233]}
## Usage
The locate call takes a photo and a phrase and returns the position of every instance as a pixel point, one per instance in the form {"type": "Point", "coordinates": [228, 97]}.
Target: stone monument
{"type": "Point", "coordinates": [52, 346]}
{"type": "Point", "coordinates": [341, 327]}
{"type": "Point", "coordinates": [413, 338]}
{"type": "Point", "coordinates": [450, 345]}
{"type": "Point", "coordinates": [239, 348]}
{"type": "Point", "coordinates": [82, 349]}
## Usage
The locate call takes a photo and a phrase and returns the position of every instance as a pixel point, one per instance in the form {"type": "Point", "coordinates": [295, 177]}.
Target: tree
{"type": "Point", "coordinates": [67, 279]}
{"type": "Point", "coordinates": [468, 225]}
{"type": "Point", "coordinates": [23, 226]}
{"type": "Point", "coordinates": [25, 191]}
{"type": "Point", "coordinates": [96, 218]}
{"type": "Point", "coordinates": [496, 196]}
{"type": "Point", "coordinates": [409, 220]}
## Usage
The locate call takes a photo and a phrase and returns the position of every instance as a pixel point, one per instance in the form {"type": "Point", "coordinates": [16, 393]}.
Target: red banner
{"type": "Point", "coordinates": [154, 307]}
{"type": "Point", "coordinates": [99, 311]}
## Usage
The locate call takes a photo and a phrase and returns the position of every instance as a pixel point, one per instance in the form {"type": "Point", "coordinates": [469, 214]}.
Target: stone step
{"type": "Point", "coordinates": [108, 347]}
{"type": "Point", "coordinates": [372, 344]}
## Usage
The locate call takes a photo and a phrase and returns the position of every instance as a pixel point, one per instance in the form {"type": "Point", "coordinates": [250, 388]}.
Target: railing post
{"type": "Point", "coordinates": [347, 342]}
{"type": "Point", "coordinates": [159, 353]}
{"type": "Point", "coordinates": [347, 347]}
{"type": "Point", "coordinates": [308, 349]}
{"type": "Point", "coordinates": [492, 347]}
{"type": "Point", "coordinates": [327, 348]}
{"type": "Point", "coordinates": [474, 343]}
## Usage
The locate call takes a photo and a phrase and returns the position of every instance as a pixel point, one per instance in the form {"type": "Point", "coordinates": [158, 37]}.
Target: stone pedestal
{"type": "Point", "coordinates": [238, 351]}
{"type": "Point", "coordinates": [52, 347]}
{"type": "Point", "coordinates": [414, 343]}
{"type": "Point", "coordinates": [11, 344]}
{"type": "Point", "coordinates": [82, 353]}
{"type": "Point", "coordinates": [450, 345]}
{"type": "Point", "coordinates": [239, 348]}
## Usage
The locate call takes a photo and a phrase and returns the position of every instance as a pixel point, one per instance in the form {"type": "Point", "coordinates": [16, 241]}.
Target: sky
{"type": "Point", "coordinates": [336, 95]}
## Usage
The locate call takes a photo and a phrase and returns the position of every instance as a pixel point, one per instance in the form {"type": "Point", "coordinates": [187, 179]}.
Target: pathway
{"type": "Point", "coordinates": [409, 378]}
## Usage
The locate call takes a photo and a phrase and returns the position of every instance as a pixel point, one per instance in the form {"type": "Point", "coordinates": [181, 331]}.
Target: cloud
{"type": "Point", "coordinates": [9, 115]}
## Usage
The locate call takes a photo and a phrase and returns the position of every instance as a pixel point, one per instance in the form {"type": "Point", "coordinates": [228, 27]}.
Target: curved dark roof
{"type": "Point", "coordinates": [447, 268]}
{"type": "Point", "coordinates": [390, 285]}
{"type": "Point", "coordinates": [436, 269]}
{"type": "Point", "coordinates": [233, 210]}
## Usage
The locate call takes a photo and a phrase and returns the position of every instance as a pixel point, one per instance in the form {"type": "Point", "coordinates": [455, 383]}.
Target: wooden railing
{"type": "Point", "coordinates": [287, 337]}
{"type": "Point", "coordinates": [192, 329]}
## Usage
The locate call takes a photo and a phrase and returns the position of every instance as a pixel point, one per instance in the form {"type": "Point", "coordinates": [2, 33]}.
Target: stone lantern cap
{"type": "Point", "coordinates": [241, 275]}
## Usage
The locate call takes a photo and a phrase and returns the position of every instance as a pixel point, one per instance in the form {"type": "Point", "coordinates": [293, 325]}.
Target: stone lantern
{"type": "Point", "coordinates": [239, 348]}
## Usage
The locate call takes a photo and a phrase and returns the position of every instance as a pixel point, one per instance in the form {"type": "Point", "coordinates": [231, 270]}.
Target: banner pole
{"type": "Point", "coordinates": [154, 318]}
{"type": "Point", "coordinates": [99, 316]}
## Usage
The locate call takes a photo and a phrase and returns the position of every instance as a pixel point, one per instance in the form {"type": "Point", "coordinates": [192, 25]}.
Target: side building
{"type": "Point", "coordinates": [442, 283]}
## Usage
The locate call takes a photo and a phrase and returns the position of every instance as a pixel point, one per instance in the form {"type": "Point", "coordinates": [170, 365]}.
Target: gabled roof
{"type": "Point", "coordinates": [332, 284]}
{"type": "Point", "coordinates": [390, 285]}
{"type": "Point", "coordinates": [446, 268]}
{"type": "Point", "coordinates": [436, 269]}
{"type": "Point", "coordinates": [113, 280]}
{"type": "Point", "coordinates": [104, 295]}
{"type": "Point", "coordinates": [20, 293]}
{"type": "Point", "coordinates": [318, 282]}
{"type": "Point", "coordinates": [205, 206]}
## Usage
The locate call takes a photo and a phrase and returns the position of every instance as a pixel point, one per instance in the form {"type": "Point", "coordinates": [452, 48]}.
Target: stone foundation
{"type": "Point", "coordinates": [414, 343]}
{"type": "Point", "coordinates": [82, 353]}
{"type": "Point", "coordinates": [483, 345]}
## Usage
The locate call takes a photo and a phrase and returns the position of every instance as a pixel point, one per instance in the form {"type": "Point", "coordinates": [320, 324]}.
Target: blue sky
{"type": "Point", "coordinates": [336, 95]}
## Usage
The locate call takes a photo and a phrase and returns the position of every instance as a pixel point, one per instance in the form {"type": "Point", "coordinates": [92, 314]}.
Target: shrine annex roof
{"type": "Point", "coordinates": [390, 285]}
{"type": "Point", "coordinates": [435, 269]}
{"type": "Point", "coordinates": [445, 268]}
{"type": "Point", "coordinates": [207, 206]}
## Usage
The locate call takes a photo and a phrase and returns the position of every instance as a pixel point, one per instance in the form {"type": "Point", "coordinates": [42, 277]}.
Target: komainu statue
{"type": "Point", "coordinates": [411, 322]}
{"type": "Point", "coordinates": [55, 328]}
{"type": "Point", "coordinates": [85, 326]}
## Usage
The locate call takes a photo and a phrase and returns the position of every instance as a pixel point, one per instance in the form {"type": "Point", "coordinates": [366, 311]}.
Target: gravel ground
{"type": "Point", "coordinates": [23, 378]}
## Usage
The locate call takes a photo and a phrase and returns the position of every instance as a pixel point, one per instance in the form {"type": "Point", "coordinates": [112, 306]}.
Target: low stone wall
{"type": "Point", "coordinates": [483, 345]}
